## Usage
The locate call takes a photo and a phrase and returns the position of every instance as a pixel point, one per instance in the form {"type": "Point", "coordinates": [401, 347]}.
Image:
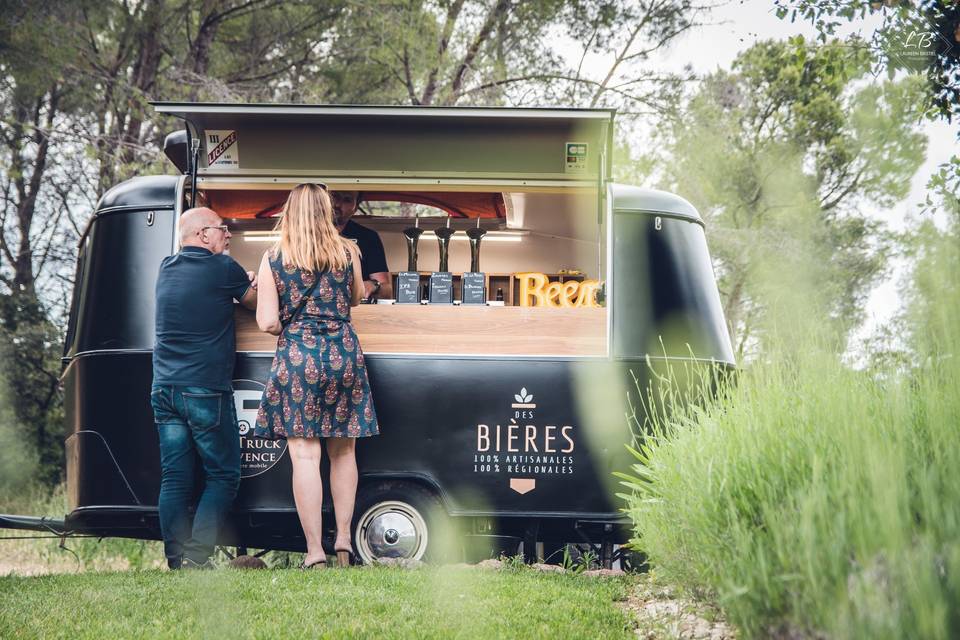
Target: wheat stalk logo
{"type": "Point", "coordinates": [523, 396]}
{"type": "Point", "coordinates": [523, 399]}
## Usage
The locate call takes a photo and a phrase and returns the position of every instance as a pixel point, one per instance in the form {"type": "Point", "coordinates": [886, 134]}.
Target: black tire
{"type": "Point", "coordinates": [401, 521]}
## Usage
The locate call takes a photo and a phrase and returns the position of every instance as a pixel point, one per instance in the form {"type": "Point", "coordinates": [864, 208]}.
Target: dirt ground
{"type": "Point", "coordinates": [660, 613]}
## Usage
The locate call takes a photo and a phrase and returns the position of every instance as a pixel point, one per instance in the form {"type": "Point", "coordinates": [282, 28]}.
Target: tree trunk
{"type": "Point", "coordinates": [491, 20]}
{"type": "Point", "coordinates": [144, 76]}
{"type": "Point", "coordinates": [733, 307]}
{"type": "Point", "coordinates": [452, 14]}
{"type": "Point", "coordinates": [199, 54]}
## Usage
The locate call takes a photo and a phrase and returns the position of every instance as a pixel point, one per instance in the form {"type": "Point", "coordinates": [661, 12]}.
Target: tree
{"type": "Point", "coordinates": [917, 36]}
{"type": "Point", "coordinates": [781, 154]}
{"type": "Point", "coordinates": [460, 52]}
{"type": "Point", "coordinates": [36, 222]}
{"type": "Point", "coordinates": [222, 50]}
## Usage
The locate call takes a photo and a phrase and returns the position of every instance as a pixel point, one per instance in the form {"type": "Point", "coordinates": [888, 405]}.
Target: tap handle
{"type": "Point", "coordinates": [443, 238]}
{"type": "Point", "coordinates": [412, 236]}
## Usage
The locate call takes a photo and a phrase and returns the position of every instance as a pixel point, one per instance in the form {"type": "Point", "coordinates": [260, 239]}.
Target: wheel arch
{"type": "Point", "coordinates": [423, 480]}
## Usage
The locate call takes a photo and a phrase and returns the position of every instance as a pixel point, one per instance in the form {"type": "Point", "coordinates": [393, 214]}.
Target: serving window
{"type": "Point", "coordinates": [542, 259]}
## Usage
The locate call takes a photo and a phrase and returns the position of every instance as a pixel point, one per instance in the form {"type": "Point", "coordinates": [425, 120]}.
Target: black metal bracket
{"type": "Point", "coordinates": [530, 536]}
{"type": "Point", "coordinates": [194, 165]}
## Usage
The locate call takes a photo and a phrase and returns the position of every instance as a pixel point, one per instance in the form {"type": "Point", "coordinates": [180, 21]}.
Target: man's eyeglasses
{"type": "Point", "coordinates": [222, 227]}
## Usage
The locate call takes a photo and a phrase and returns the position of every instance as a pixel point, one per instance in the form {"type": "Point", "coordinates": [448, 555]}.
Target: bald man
{"type": "Point", "coordinates": [192, 394]}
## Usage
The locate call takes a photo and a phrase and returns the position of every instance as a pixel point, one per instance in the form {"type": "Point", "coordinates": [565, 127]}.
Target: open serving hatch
{"type": "Point", "coordinates": [535, 179]}
{"type": "Point", "coordinates": [362, 144]}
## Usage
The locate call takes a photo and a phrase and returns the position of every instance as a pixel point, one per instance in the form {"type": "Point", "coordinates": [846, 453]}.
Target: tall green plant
{"type": "Point", "coordinates": [810, 497]}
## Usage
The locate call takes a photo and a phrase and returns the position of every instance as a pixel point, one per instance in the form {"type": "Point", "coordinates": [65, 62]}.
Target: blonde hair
{"type": "Point", "coordinates": [309, 239]}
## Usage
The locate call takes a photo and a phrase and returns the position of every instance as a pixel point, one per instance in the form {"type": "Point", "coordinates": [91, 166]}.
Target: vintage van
{"type": "Point", "coordinates": [506, 418]}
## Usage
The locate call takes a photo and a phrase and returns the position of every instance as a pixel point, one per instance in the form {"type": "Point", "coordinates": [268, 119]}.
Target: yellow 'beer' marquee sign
{"type": "Point", "coordinates": [536, 290]}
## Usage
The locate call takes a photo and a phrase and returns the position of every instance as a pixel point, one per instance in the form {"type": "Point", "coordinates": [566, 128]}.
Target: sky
{"type": "Point", "coordinates": [737, 25]}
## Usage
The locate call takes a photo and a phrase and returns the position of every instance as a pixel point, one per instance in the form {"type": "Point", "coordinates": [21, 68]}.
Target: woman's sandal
{"type": "Point", "coordinates": [344, 557]}
{"type": "Point", "coordinates": [319, 564]}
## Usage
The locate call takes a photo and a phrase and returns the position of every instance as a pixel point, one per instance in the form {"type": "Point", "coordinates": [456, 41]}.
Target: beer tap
{"type": "Point", "coordinates": [443, 238]}
{"type": "Point", "coordinates": [475, 234]}
{"type": "Point", "coordinates": [412, 236]}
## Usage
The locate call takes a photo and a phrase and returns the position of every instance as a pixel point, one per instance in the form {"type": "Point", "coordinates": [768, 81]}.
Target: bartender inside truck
{"type": "Point", "coordinates": [373, 261]}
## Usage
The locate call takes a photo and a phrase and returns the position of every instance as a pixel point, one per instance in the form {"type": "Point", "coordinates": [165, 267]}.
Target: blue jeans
{"type": "Point", "coordinates": [192, 422]}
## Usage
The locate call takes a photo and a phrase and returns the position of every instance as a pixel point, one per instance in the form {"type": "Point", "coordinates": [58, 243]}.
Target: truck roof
{"type": "Point", "coordinates": [141, 192]}
{"type": "Point", "coordinates": [630, 198]}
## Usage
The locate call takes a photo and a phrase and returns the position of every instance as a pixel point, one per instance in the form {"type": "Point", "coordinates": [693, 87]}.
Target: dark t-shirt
{"type": "Point", "coordinates": [195, 344]}
{"type": "Point", "coordinates": [372, 257]}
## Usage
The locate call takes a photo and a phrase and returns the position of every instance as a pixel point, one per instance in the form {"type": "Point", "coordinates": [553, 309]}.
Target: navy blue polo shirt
{"type": "Point", "coordinates": [195, 342]}
{"type": "Point", "coordinates": [372, 257]}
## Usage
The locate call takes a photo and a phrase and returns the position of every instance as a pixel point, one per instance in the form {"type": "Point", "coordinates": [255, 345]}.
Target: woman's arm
{"type": "Point", "coordinates": [357, 291]}
{"type": "Point", "coordinates": [268, 300]}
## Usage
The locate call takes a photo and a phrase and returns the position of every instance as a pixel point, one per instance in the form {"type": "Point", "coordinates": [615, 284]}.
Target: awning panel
{"type": "Point", "coordinates": [291, 140]}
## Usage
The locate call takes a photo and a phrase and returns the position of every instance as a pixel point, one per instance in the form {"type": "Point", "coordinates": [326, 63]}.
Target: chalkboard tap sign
{"type": "Point", "coordinates": [441, 287]}
{"type": "Point", "coordinates": [408, 287]}
{"type": "Point", "coordinates": [474, 289]}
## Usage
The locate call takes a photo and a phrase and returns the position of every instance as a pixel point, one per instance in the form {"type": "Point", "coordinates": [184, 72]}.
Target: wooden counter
{"type": "Point", "coordinates": [475, 330]}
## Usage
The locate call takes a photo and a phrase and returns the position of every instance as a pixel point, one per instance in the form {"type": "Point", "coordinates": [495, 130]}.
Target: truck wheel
{"type": "Point", "coordinates": [398, 520]}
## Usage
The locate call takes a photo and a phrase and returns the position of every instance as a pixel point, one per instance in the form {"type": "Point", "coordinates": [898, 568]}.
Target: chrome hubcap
{"type": "Point", "coordinates": [391, 529]}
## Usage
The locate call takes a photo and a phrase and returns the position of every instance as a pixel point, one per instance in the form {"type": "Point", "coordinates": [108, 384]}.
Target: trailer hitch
{"type": "Point", "coordinates": [35, 523]}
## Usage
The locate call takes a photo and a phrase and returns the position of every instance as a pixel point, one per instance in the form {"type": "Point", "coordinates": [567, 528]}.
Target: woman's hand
{"type": "Point", "coordinates": [268, 300]}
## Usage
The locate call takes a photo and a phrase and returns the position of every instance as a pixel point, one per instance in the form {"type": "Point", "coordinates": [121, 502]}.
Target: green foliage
{"type": "Point", "coordinates": [31, 416]}
{"type": "Point", "coordinates": [815, 499]}
{"type": "Point", "coordinates": [513, 563]}
{"type": "Point", "coordinates": [35, 43]}
{"type": "Point", "coordinates": [630, 166]}
{"type": "Point", "coordinates": [18, 459]}
{"type": "Point", "coordinates": [781, 155]}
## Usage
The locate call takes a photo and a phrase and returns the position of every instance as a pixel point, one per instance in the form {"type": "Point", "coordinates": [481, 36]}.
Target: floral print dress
{"type": "Point", "coordinates": [318, 384]}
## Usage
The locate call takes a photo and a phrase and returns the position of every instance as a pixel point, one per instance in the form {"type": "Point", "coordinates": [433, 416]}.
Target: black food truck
{"type": "Point", "coordinates": [531, 295]}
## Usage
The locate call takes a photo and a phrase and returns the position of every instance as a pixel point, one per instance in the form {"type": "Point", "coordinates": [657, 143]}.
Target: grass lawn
{"type": "Point", "coordinates": [381, 602]}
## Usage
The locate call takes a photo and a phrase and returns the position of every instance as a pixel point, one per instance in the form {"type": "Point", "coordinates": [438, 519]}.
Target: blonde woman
{"type": "Point", "coordinates": [318, 387]}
